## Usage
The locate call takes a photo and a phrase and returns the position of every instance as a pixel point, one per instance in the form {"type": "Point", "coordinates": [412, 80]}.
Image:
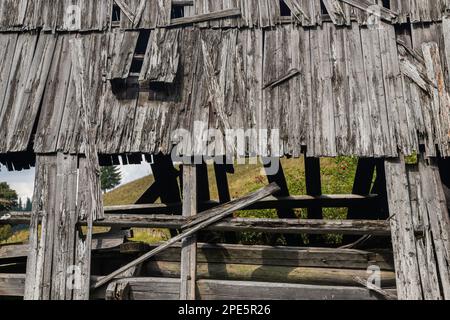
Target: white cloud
{"type": "Point", "coordinates": [22, 181]}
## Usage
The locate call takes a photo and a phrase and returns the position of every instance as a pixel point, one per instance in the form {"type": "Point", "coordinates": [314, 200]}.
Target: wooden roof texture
{"type": "Point", "coordinates": [337, 90]}
{"type": "Point", "coordinates": [50, 14]}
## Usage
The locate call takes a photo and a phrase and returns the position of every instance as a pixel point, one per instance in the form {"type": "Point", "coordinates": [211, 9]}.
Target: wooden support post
{"type": "Point", "coordinates": [362, 186]}
{"type": "Point", "coordinates": [221, 171]}
{"type": "Point", "coordinates": [167, 179]}
{"type": "Point", "coordinates": [52, 248]}
{"type": "Point", "coordinates": [283, 213]}
{"type": "Point", "coordinates": [150, 195]}
{"type": "Point", "coordinates": [313, 183]}
{"type": "Point", "coordinates": [189, 245]}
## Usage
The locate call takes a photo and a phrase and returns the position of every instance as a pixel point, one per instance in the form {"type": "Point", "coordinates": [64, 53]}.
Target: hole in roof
{"type": "Point", "coordinates": [323, 8]}
{"type": "Point", "coordinates": [116, 12]}
{"type": "Point", "coordinates": [284, 9]}
{"type": "Point", "coordinates": [177, 12]}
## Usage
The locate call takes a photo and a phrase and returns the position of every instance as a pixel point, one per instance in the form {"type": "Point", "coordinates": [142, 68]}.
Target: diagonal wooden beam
{"type": "Point", "coordinates": [285, 213]}
{"type": "Point", "coordinates": [126, 9]}
{"type": "Point", "coordinates": [212, 216]}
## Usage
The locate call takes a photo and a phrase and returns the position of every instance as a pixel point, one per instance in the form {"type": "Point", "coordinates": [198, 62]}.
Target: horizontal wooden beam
{"type": "Point", "coordinates": [285, 226]}
{"type": "Point", "coordinates": [292, 202]}
{"type": "Point", "coordinates": [168, 289]}
{"type": "Point", "coordinates": [242, 254]}
{"type": "Point", "coordinates": [268, 273]}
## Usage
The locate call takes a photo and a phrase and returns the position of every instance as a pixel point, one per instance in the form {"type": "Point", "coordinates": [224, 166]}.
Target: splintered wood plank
{"type": "Point", "coordinates": [402, 226]}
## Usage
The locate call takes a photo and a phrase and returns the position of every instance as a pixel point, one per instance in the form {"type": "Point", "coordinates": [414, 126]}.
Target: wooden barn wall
{"type": "Point", "coordinates": [96, 14]}
{"type": "Point", "coordinates": [347, 96]}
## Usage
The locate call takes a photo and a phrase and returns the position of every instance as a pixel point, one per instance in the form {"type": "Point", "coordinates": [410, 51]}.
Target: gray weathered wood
{"type": "Point", "coordinates": [189, 245]}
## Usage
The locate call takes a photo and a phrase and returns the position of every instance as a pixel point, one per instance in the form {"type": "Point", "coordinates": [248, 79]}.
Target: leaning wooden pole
{"type": "Point", "coordinates": [205, 220]}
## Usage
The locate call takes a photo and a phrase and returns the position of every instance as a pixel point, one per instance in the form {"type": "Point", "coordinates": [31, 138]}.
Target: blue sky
{"type": "Point", "coordinates": [23, 182]}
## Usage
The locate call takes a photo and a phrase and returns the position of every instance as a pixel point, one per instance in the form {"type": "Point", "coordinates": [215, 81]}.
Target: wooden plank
{"type": "Point", "coordinates": [65, 226]}
{"type": "Point", "coordinates": [239, 254]}
{"type": "Point", "coordinates": [425, 252]}
{"type": "Point", "coordinates": [281, 274]}
{"type": "Point", "coordinates": [90, 198]}
{"type": "Point", "coordinates": [439, 223]}
{"type": "Point", "coordinates": [189, 245]}
{"type": "Point", "coordinates": [162, 57]}
{"type": "Point", "coordinates": [122, 45]}
{"type": "Point", "coordinates": [368, 7]}
{"type": "Point", "coordinates": [227, 13]}
{"type": "Point", "coordinates": [213, 216]}
{"type": "Point", "coordinates": [12, 285]}
{"type": "Point", "coordinates": [39, 263]}
{"type": "Point", "coordinates": [441, 98]}
{"type": "Point", "coordinates": [289, 226]}
{"type": "Point", "coordinates": [446, 34]}
{"type": "Point", "coordinates": [283, 256]}
{"type": "Point", "coordinates": [403, 240]}
{"type": "Point", "coordinates": [157, 288]}
{"type": "Point", "coordinates": [336, 12]}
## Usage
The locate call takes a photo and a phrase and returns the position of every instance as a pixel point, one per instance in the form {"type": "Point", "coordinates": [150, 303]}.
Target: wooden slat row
{"type": "Point", "coordinates": [348, 98]}
{"type": "Point", "coordinates": [61, 15]}
{"type": "Point", "coordinates": [348, 94]}
{"type": "Point", "coordinates": [26, 65]}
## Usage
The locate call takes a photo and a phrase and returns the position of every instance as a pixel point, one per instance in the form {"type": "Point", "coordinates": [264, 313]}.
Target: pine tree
{"type": "Point", "coordinates": [28, 205]}
{"type": "Point", "coordinates": [8, 201]}
{"type": "Point", "coordinates": [110, 177]}
{"type": "Point", "coordinates": [19, 205]}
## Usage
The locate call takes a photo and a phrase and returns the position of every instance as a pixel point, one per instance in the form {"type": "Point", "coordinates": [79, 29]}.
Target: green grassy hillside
{"type": "Point", "coordinates": [337, 177]}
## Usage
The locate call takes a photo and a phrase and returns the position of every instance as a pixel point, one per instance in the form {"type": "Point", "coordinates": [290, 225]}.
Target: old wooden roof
{"type": "Point", "coordinates": [330, 82]}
